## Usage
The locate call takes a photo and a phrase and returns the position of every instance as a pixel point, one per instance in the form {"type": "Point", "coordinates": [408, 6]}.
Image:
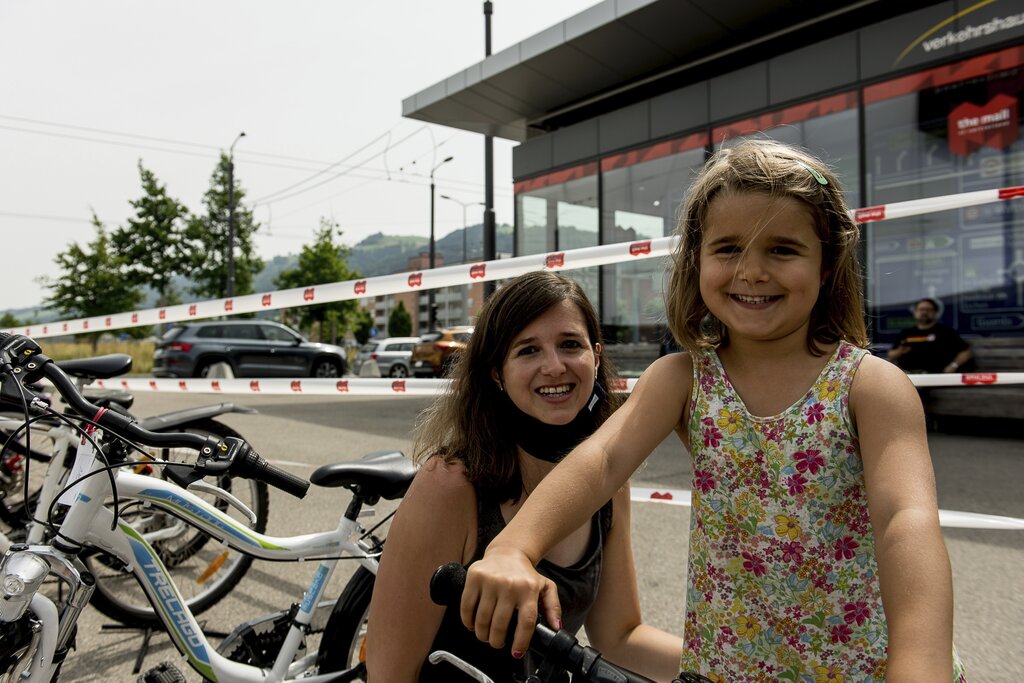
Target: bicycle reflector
{"type": "Point", "coordinates": [20, 577]}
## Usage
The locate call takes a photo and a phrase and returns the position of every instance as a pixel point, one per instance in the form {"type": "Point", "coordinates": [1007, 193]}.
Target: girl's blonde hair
{"type": "Point", "coordinates": [777, 170]}
{"type": "Point", "coordinates": [469, 423]}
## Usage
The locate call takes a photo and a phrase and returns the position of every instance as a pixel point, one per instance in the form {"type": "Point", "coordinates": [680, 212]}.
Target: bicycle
{"type": "Point", "coordinates": [205, 574]}
{"type": "Point", "coordinates": [36, 637]}
{"type": "Point", "coordinates": [560, 651]}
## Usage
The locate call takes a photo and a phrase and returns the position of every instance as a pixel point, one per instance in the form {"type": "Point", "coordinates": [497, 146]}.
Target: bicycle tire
{"type": "Point", "coordinates": [343, 644]}
{"type": "Point", "coordinates": [204, 572]}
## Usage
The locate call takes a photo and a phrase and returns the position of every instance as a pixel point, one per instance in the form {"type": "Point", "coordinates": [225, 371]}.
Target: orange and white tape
{"type": "Point", "coordinates": [363, 386]}
{"type": "Point", "coordinates": [461, 274]}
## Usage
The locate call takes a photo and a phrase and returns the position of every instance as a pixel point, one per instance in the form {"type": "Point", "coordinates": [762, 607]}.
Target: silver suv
{"type": "Point", "coordinates": [390, 354]}
{"type": "Point", "coordinates": [253, 348]}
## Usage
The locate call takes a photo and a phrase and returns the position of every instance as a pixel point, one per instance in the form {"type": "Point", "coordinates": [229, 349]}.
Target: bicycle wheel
{"type": "Point", "coordinates": [343, 644]}
{"type": "Point", "coordinates": [203, 571]}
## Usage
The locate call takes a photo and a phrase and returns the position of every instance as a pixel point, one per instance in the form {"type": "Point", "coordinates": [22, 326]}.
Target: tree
{"type": "Point", "coordinates": [399, 321]}
{"type": "Point", "coordinates": [325, 260]}
{"type": "Point", "coordinates": [8, 320]}
{"type": "Point", "coordinates": [152, 244]}
{"type": "Point", "coordinates": [362, 325]}
{"type": "Point", "coordinates": [93, 281]}
{"type": "Point", "coordinates": [207, 239]}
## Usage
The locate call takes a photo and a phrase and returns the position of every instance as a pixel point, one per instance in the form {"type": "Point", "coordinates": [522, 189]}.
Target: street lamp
{"type": "Point", "coordinates": [230, 289]}
{"type": "Point", "coordinates": [464, 206]}
{"type": "Point", "coordinates": [431, 312]}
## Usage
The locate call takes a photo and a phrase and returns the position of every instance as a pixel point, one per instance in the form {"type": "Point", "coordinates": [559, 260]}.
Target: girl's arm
{"type": "Point", "coordinates": [505, 580]}
{"type": "Point", "coordinates": [435, 524]}
{"type": "Point", "coordinates": [913, 566]}
{"type": "Point", "coordinates": [614, 625]}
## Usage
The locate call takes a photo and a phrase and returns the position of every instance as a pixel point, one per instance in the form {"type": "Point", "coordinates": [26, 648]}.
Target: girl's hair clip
{"type": "Point", "coordinates": [814, 172]}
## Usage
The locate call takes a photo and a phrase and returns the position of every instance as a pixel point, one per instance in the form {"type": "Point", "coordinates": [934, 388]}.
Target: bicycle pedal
{"type": "Point", "coordinates": [165, 672]}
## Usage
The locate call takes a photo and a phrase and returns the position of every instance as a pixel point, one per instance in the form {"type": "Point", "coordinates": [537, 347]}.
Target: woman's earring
{"type": "Point", "coordinates": [501, 387]}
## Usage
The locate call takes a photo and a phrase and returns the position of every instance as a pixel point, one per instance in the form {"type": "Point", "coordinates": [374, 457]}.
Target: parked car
{"type": "Point", "coordinates": [391, 355]}
{"type": "Point", "coordinates": [252, 348]}
{"type": "Point", "coordinates": [432, 356]}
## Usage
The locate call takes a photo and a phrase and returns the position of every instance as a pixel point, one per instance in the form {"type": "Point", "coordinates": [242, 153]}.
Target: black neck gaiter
{"type": "Point", "coordinates": [553, 442]}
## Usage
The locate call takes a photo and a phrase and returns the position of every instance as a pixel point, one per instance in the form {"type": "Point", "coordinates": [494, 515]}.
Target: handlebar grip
{"type": "Point", "coordinates": [252, 465]}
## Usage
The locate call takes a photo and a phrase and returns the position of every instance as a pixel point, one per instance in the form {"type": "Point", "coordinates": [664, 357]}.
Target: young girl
{"type": "Point", "coordinates": [815, 548]}
{"type": "Point", "coordinates": [529, 387]}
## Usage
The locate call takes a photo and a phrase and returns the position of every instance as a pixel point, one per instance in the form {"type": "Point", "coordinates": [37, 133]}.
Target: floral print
{"type": "Point", "coordinates": [782, 582]}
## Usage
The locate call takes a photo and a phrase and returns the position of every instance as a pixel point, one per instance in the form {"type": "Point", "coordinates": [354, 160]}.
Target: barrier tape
{"type": "Point", "coordinates": [365, 386]}
{"type": "Point", "coordinates": [949, 519]}
{"type": "Point", "coordinates": [461, 274]}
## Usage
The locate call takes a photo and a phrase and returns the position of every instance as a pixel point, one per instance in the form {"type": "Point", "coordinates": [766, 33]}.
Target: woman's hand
{"type": "Point", "coordinates": [500, 585]}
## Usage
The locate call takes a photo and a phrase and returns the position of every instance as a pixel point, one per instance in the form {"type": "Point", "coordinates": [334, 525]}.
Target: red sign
{"type": "Point", "coordinates": [192, 309]}
{"type": "Point", "coordinates": [266, 300]}
{"type": "Point", "coordinates": [360, 287]}
{"type": "Point", "coordinates": [296, 385]}
{"type": "Point", "coordinates": [618, 384]}
{"type": "Point", "coordinates": [107, 322]}
{"type": "Point", "coordinates": [398, 385]}
{"type": "Point", "coordinates": [638, 248]}
{"type": "Point", "coordinates": [416, 279]}
{"type": "Point", "coordinates": [657, 495]}
{"type": "Point", "coordinates": [215, 385]}
{"type": "Point", "coordinates": [1011, 192]}
{"type": "Point", "coordinates": [979, 377]}
{"type": "Point", "coordinates": [45, 329]}
{"type": "Point", "coordinates": [152, 384]}
{"type": "Point", "coordinates": [342, 385]}
{"type": "Point", "coordinates": [229, 305]}
{"type": "Point", "coordinates": [254, 385]}
{"type": "Point", "coordinates": [555, 260]}
{"type": "Point", "coordinates": [993, 124]}
{"type": "Point", "coordinates": [135, 317]}
{"type": "Point", "coordinates": [183, 385]}
{"type": "Point", "coordinates": [309, 294]}
{"type": "Point", "coordinates": [163, 314]}
{"type": "Point", "coordinates": [85, 324]}
{"type": "Point", "coordinates": [28, 331]}
{"type": "Point", "coordinates": [478, 270]}
{"type": "Point", "coordinates": [65, 327]}
{"type": "Point", "coordinates": [124, 384]}
{"type": "Point", "coordinates": [868, 214]}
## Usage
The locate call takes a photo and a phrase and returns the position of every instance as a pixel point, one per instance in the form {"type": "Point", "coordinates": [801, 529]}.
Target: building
{"type": "Point", "coordinates": [617, 107]}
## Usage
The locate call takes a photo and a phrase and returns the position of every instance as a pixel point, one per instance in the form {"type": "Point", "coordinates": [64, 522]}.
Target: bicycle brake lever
{"type": "Point", "coordinates": [476, 674]}
{"type": "Point", "coordinates": [217, 491]}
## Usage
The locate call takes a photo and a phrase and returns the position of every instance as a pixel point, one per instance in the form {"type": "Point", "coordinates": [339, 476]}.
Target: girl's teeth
{"type": "Point", "coordinates": [753, 299]}
{"type": "Point", "coordinates": [554, 390]}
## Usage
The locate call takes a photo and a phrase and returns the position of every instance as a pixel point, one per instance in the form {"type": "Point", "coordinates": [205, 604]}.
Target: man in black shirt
{"type": "Point", "coordinates": [930, 346]}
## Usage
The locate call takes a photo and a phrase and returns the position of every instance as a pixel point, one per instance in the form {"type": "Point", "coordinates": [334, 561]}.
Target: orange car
{"type": "Point", "coordinates": [432, 356]}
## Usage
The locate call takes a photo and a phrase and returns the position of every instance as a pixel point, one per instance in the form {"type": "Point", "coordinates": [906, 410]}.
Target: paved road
{"type": "Point", "coordinates": [976, 474]}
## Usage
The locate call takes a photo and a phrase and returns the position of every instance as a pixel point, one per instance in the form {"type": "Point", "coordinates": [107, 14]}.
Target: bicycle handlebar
{"type": "Point", "coordinates": [22, 359]}
{"type": "Point", "coordinates": [560, 649]}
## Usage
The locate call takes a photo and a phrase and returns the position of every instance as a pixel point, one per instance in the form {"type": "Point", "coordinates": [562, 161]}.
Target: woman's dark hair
{"type": "Point", "coordinates": [469, 422]}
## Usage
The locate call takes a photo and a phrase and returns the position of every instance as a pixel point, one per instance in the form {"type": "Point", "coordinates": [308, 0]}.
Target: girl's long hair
{"type": "Point", "coordinates": [776, 170]}
{"type": "Point", "coordinates": [468, 423]}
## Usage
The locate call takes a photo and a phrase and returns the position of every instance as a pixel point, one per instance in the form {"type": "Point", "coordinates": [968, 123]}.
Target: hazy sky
{"type": "Point", "coordinates": [87, 89]}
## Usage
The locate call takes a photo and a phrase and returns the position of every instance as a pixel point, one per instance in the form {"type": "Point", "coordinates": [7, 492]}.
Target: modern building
{"type": "Point", "coordinates": [617, 107]}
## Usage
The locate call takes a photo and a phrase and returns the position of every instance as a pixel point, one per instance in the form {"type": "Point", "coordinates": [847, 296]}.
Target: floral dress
{"type": "Point", "coordinates": [782, 582]}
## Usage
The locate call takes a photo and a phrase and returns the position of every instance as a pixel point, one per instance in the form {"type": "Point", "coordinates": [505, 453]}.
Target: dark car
{"type": "Point", "coordinates": [433, 356]}
{"type": "Point", "coordinates": [252, 348]}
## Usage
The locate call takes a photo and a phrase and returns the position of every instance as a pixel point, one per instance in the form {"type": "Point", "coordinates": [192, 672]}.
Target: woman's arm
{"type": "Point", "coordinates": [505, 580]}
{"type": "Point", "coordinates": [913, 566]}
{"type": "Point", "coordinates": [614, 625]}
{"type": "Point", "coordinates": [435, 524]}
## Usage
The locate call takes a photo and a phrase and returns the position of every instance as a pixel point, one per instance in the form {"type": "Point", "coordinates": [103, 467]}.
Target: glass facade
{"type": "Point", "coordinates": [946, 130]}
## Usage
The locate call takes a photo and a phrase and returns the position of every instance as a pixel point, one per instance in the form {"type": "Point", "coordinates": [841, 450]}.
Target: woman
{"type": "Point", "coordinates": [529, 387]}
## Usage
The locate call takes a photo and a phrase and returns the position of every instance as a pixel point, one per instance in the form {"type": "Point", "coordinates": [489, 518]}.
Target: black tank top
{"type": "Point", "coordinates": [577, 589]}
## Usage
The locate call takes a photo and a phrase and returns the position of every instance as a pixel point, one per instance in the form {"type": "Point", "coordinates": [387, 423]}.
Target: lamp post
{"type": "Point", "coordinates": [464, 206]}
{"type": "Point", "coordinates": [431, 312]}
{"type": "Point", "coordinates": [230, 260]}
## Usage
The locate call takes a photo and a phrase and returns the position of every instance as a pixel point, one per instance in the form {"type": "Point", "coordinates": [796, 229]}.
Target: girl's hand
{"type": "Point", "coordinates": [501, 584]}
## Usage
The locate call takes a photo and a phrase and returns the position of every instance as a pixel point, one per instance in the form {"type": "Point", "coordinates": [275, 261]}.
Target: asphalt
{"type": "Point", "coordinates": [975, 472]}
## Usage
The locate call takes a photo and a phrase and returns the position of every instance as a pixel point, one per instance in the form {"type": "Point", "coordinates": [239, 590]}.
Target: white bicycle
{"type": "Point", "coordinates": [37, 631]}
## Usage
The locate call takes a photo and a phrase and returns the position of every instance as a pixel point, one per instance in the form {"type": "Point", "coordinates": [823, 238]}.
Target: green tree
{"type": "Point", "coordinates": [152, 243]}
{"type": "Point", "coordinates": [362, 325]}
{"type": "Point", "coordinates": [399, 321]}
{"type": "Point", "coordinates": [93, 281]}
{"type": "Point", "coordinates": [8, 320]}
{"type": "Point", "coordinates": [207, 239]}
{"type": "Point", "coordinates": [325, 260]}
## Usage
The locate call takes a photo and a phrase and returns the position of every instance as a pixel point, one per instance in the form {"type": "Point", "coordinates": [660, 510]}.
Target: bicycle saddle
{"type": "Point", "coordinates": [382, 473]}
{"type": "Point", "coordinates": [100, 367]}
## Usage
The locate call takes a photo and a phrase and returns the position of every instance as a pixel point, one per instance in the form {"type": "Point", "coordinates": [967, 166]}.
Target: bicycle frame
{"type": "Point", "coordinates": [89, 522]}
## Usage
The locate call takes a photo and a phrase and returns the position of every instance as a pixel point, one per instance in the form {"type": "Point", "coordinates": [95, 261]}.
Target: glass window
{"type": "Point", "coordinates": [211, 332]}
{"type": "Point", "coordinates": [642, 192]}
{"type": "Point", "coordinates": [948, 130]}
{"type": "Point", "coordinates": [274, 333]}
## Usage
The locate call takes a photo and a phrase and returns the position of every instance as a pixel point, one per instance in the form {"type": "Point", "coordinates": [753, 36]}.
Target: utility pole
{"type": "Point", "coordinates": [230, 259]}
{"type": "Point", "coordinates": [431, 306]}
{"type": "Point", "coordinates": [490, 251]}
